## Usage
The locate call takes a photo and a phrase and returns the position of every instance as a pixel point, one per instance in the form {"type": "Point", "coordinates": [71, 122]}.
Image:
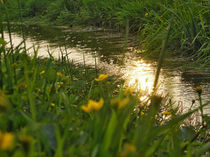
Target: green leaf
{"type": "Point", "coordinates": [109, 133]}
{"type": "Point", "coordinates": [3, 42]}
{"type": "Point", "coordinates": [203, 149]}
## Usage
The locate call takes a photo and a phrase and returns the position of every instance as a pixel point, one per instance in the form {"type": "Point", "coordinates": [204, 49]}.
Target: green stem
{"type": "Point", "coordinates": [201, 108]}
{"type": "Point", "coordinates": [9, 28]}
{"type": "Point", "coordinates": [21, 21]}
{"type": "Point", "coordinates": [162, 54]}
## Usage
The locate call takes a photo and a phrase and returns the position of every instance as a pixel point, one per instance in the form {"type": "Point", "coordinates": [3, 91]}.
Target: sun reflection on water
{"type": "Point", "coordinates": [140, 75]}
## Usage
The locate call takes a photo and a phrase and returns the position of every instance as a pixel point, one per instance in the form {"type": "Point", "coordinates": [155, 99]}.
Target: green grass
{"type": "Point", "coordinates": [41, 114]}
{"type": "Point", "coordinates": [52, 107]}
{"type": "Point", "coordinates": [147, 18]}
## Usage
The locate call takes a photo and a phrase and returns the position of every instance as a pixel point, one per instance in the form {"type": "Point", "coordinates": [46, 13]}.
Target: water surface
{"type": "Point", "coordinates": [106, 49]}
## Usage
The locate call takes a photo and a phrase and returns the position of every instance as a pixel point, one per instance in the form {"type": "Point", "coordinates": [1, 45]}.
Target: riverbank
{"type": "Point", "coordinates": [54, 108]}
{"type": "Point", "coordinates": [188, 63]}
{"type": "Point", "coordinates": [105, 50]}
{"type": "Point", "coordinates": [148, 19]}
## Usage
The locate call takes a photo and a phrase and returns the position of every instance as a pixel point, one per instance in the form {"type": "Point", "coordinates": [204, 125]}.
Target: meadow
{"type": "Point", "coordinates": [51, 107]}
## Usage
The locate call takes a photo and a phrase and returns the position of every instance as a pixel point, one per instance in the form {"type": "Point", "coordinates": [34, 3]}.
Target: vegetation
{"type": "Point", "coordinates": [148, 18]}
{"type": "Point", "coordinates": [52, 107]}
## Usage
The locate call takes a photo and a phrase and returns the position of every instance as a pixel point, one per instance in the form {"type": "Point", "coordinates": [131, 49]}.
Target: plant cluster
{"type": "Point", "coordinates": [147, 18]}
{"type": "Point", "coordinates": [50, 107]}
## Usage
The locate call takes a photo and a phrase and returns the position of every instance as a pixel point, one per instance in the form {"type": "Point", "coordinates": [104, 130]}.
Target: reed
{"type": "Point", "coordinates": [161, 58]}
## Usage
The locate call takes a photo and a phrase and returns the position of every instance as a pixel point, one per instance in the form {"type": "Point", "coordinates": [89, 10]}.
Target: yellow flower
{"type": "Point", "coordinates": [198, 89]}
{"type": "Point", "coordinates": [42, 72]}
{"type": "Point", "coordinates": [6, 141]}
{"type": "Point", "coordinates": [101, 77]}
{"type": "Point", "coordinates": [93, 105]}
{"type": "Point", "coordinates": [123, 103]}
{"type": "Point", "coordinates": [120, 103]}
{"type": "Point", "coordinates": [166, 113]}
{"type": "Point", "coordinates": [128, 91]}
{"type": "Point", "coordinates": [146, 14]}
{"type": "Point", "coordinates": [59, 74]}
{"type": "Point", "coordinates": [86, 108]}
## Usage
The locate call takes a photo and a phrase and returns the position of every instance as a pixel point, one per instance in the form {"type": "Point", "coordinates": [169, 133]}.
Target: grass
{"type": "Point", "coordinates": [51, 107]}
{"type": "Point", "coordinates": [147, 18]}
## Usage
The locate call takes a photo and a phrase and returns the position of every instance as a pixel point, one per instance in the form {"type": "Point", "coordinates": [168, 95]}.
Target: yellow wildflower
{"type": "Point", "coordinates": [198, 89]}
{"type": "Point", "coordinates": [166, 113]}
{"type": "Point", "coordinates": [42, 72]}
{"type": "Point", "coordinates": [101, 77]}
{"type": "Point", "coordinates": [146, 14]}
{"type": "Point", "coordinates": [93, 105]}
{"type": "Point", "coordinates": [86, 108]}
{"type": "Point", "coordinates": [59, 74]}
{"type": "Point", "coordinates": [120, 103]}
{"type": "Point", "coordinates": [128, 91]}
{"type": "Point", "coordinates": [6, 141]}
{"type": "Point", "coordinates": [123, 103]}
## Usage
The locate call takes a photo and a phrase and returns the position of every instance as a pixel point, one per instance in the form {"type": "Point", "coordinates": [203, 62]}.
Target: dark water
{"type": "Point", "coordinates": [105, 47]}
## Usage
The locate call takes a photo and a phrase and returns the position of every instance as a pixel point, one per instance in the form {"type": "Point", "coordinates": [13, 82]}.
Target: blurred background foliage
{"type": "Point", "coordinates": [147, 18]}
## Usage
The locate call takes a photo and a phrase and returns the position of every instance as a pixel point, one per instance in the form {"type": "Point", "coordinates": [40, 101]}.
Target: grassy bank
{"type": "Point", "coordinates": [54, 108]}
{"type": "Point", "coordinates": [147, 18]}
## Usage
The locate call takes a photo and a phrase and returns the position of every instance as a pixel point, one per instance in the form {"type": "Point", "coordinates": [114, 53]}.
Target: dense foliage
{"type": "Point", "coordinates": [51, 107]}
{"type": "Point", "coordinates": [148, 18]}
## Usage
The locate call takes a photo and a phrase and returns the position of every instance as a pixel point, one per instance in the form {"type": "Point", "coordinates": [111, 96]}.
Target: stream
{"type": "Point", "coordinates": [104, 48]}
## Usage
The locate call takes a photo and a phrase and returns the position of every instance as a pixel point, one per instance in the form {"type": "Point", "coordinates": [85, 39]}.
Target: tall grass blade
{"type": "Point", "coordinates": [161, 57]}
